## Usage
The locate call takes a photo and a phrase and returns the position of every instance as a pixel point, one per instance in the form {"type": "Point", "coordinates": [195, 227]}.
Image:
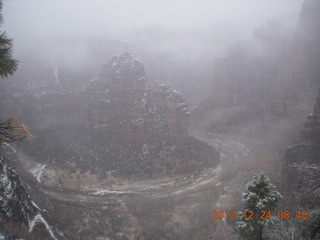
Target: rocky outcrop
{"type": "Point", "coordinates": [268, 79]}
{"type": "Point", "coordinates": [122, 100]}
{"type": "Point", "coordinates": [309, 20]}
{"type": "Point", "coordinates": [301, 171]}
{"type": "Point", "coordinates": [120, 125]}
{"type": "Point", "coordinates": [307, 147]}
{"type": "Point", "coordinates": [305, 151]}
{"type": "Point", "coordinates": [19, 215]}
{"type": "Point", "coordinates": [301, 160]}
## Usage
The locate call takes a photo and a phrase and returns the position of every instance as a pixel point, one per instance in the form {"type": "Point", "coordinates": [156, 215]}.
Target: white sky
{"type": "Point", "coordinates": [31, 18]}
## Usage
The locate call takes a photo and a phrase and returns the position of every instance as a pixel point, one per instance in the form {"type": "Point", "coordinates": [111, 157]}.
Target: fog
{"type": "Point", "coordinates": [178, 41]}
{"type": "Point", "coordinates": [151, 149]}
{"type": "Point", "coordinates": [31, 20]}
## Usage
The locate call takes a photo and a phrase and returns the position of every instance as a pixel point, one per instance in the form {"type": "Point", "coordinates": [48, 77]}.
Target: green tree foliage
{"type": "Point", "coordinates": [10, 130]}
{"type": "Point", "coordinates": [260, 198]}
{"type": "Point", "coordinates": [8, 65]}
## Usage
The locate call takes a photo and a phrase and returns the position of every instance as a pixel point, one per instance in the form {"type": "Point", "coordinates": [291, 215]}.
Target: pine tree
{"type": "Point", "coordinates": [10, 130]}
{"type": "Point", "coordinates": [259, 201]}
{"type": "Point", "coordinates": [8, 65]}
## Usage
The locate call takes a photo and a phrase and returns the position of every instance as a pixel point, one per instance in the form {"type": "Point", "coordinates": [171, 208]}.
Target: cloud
{"type": "Point", "coordinates": [82, 18]}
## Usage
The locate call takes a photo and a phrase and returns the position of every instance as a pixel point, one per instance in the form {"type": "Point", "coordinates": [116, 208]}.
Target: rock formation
{"type": "Point", "coordinates": [20, 217]}
{"type": "Point", "coordinates": [121, 124]}
{"type": "Point", "coordinates": [301, 171]}
{"type": "Point", "coordinates": [307, 147]}
{"type": "Point", "coordinates": [268, 79]}
{"type": "Point", "coordinates": [122, 100]}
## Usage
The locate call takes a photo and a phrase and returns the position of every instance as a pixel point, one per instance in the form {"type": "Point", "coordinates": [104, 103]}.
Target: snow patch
{"type": "Point", "coordinates": [104, 192]}
{"type": "Point", "coordinates": [145, 149]}
{"type": "Point", "coordinates": [10, 147]}
{"type": "Point", "coordinates": [39, 219]}
{"type": "Point", "coordinates": [37, 171]}
{"type": "Point", "coordinates": [8, 190]}
{"type": "Point", "coordinates": [35, 205]}
{"type": "Point", "coordinates": [192, 187]}
{"type": "Point", "coordinates": [56, 74]}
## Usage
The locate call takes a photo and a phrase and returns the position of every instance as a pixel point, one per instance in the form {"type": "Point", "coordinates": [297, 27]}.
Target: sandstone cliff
{"type": "Point", "coordinates": [307, 147]}
{"type": "Point", "coordinates": [269, 79]}
{"type": "Point", "coordinates": [301, 171]}
{"type": "Point", "coordinates": [122, 100]}
{"type": "Point", "coordinates": [120, 125]}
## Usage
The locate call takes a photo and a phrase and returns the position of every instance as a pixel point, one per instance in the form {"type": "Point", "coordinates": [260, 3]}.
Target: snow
{"type": "Point", "coordinates": [39, 219]}
{"type": "Point", "coordinates": [104, 192]}
{"type": "Point", "coordinates": [156, 186]}
{"type": "Point", "coordinates": [9, 146]}
{"type": "Point", "coordinates": [192, 187]}
{"type": "Point", "coordinates": [37, 171]}
{"type": "Point", "coordinates": [35, 205]}
{"type": "Point", "coordinates": [56, 74]}
{"type": "Point", "coordinates": [133, 188]}
{"type": "Point", "coordinates": [8, 191]}
{"type": "Point", "coordinates": [145, 149]}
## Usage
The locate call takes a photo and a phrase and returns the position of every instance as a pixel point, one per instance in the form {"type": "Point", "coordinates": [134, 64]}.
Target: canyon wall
{"type": "Point", "coordinates": [120, 125]}
{"type": "Point", "coordinates": [265, 81]}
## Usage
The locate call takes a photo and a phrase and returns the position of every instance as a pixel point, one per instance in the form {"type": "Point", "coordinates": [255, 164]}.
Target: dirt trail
{"type": "Point", "coordinates": [231, 153]}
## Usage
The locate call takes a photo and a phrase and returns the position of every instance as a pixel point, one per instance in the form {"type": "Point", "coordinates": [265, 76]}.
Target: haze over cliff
{"type": "Point", "coordinates": [120, 123]}
{"type": "Point", "coordinates": [148, 116]}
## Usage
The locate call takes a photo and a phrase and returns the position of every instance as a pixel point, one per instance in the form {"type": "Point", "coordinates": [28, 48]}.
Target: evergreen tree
{"type": "Point", "coordinates": [8, 65]}
{"type": "Point", "coordinates": [10, 130]}
{"type": "Point", "coordinates": [259, 201]}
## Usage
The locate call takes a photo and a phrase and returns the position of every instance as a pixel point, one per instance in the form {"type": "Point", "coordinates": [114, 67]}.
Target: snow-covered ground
{"type": "Point", "coordinates": [175, 187]}
{"type": "Point", "coordinates": [37, 171]}
{"type": "Point", "coordinates": [104, 192]}
{"type": "Point", "coordinates": [39, 219]}
{"type": "Point", "coordinates": [230, 151]}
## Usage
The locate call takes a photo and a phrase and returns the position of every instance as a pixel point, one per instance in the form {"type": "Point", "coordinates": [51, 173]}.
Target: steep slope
{"type": "Point", "coordinates": [301, 167]}
{"type": "Point", "coordinates": [304, 152]}
{"type": "Point", "coordinates": [121, 99]}
{"type": "Point", "coordinates": [264, 82]}
{"type": "Point", "coordinates": [307, 147]}
{"type": "Point", "coordinates": [301, 173]}
{"type": "Point", "coordinates": [20, 217]}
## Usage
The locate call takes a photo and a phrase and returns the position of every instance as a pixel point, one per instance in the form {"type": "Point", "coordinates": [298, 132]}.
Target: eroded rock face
{"type": "Point", "coordinates": [14, 201]}
{"type": "Point", "coordinates": [19, 215]}
{"type": "Point", "coordinates": [307, 147]}
{"type": "Point", "coordinates": [121, 124]}
{"type": "Point", "coordinates": [301, 159]}
{"type": "Point", "coordinates": [309, 19]}
{"type": "Point", "coordinates": [122, 100]}
{"type": "Point", "coordinates": [271, 78]}
{"type": "Point", "coordinates": [301, 163]}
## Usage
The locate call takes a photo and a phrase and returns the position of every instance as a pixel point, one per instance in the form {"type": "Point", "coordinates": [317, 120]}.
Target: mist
{"type": "Point", "coordinates": [148, 118]}
{"type": "Point", "coordinates": [83, 35]}
{"type": "Point", "coordinates": [36, 21]}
